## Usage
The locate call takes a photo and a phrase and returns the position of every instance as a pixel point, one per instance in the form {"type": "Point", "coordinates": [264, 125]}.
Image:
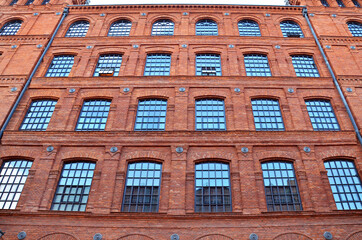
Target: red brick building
{"type": "Point", "coordinates": [208, 122]}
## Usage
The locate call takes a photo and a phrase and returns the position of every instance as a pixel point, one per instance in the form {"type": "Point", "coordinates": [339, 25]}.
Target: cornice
{"type": "Point", "coordinates": [339, 39]}
{"type": "Point", "coordinates": [12, 79]}
{"type": "Point", "coordinates": [26, 38]}
{"type": "Point", "coordinates": [350, 79]}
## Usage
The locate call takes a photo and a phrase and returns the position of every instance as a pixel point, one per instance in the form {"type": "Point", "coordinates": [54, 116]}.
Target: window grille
{"type": "Point", "coordinates": [29, 2]}
{"type": "Point", "coordinates": [13, 2]}
{"type": "Point", "coordinates": [355, 28]}
{"type": "Point", "coordinates": [120, 28]}
{"type": "Point", "coordinates": [45, 2]}
{"type": "Point", "coordinates": [291, 29]}
{"type": "Point", "coordinates": [11, 28]}
{"type": "Point", "coordinates": [60, 66]}
{"type": "Point", "coordinates": [142, 188]}
{"type": "Point", "coordinates": [267, 115]}
{"type": "Point", "coordinates": [249, 28]}
{"type": "Point", "coordinates": [151, 115]}
{"type": "Point", "coordinates": [325, 3]}
{"type": "Point", "coordinates": [94, 115]}
{"type": "Point", "coordinates": [108, 65]}
{"type": "Point", "coordinates": [257, 65]}
{"type": "Point", "coordinates": [158, 65]}
{"type": "Point", "coordinates": [78, 29]}
{"type": "Point", "coordinates": [208, 65]}
{"type": "Point", "coordinates": [322, 115]}
{"type": "Point", "coordinates": [281, 188]}
{"type": "Point", "coordinates": [163, 27]}
{"type": "Point", "coordinates": [212, 187]}
{"type": "Point", "coordinates": [74, 187]}
{"type": "Point", "coordinates": [13, 175]}
{"type": "Point", "coordinates": [206, 27]}
{"type": "Point", "coordinates": [38, 115]}
{"type": "Point", "coordinates": [340, 3]}
{"type": "Point", "coordinates": [304, 66]}
{"type": "Point", "coordinates": [356, 3]}
{"type": "Point", "coordinates": [345, 184]}
{"type": "Point", "coordinates": [210, 114]}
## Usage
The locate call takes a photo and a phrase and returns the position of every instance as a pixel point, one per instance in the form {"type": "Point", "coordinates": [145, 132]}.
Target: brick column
{"type": "Point", "coordinates": [296, 113]}
{"type": "Point", "coordinates": [120, 177]}
{"type": "Point", "coordinates": [119, 121]}
{"type": "Point", "coordinates": [240, 117]}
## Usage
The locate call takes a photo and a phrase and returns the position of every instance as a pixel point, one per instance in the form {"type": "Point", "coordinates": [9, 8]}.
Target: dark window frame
{"type": "Point", "coordinates": [258, 65]}
{"type": "Point", "coordinates": [78, 31]}
{"type": "Point", "coordinates": [355, 28]}
{"type": "Point", "coordinates": [208, 60]}
{"type": "Point", "coordinates": [119, 30]}
{"type": "Point", "coordinates": [140, 115]}
{"type": "Point", "coordinates": [250, 28]}
{"type": "Point", "coordinates": [272, 114]}
{"type": "Point", "coordinates": [291, 28]}
{"type": "Point", "coordinates": [207, 30]}
{"type": "Point", "coordinates": [312, 107]}
{"type": "Point", "coordinates": [56, 62]}
{"type": "Point", "coordinates": [11, 28]}
{"type": "Point", "coordinates": [305, 66]}
{"type": "Point", "coordinates": [163, 27]}
{"type": "Point", "coordinates": [215, 103]}
{"type": "Point", "coordinates": [160, 59]}
{"type": "Point", "coordinates": [87, 120]}
{"type": "Point", "coordinates": [110, 62]}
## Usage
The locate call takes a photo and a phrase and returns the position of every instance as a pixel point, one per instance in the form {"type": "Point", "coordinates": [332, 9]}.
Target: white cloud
{"type": "Point", "coordinates": [253, 2]}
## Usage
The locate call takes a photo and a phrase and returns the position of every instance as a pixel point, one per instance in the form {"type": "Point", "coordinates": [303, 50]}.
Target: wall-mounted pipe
{"type": "Point", "coordinates": [359, 137]}
{"type": "Point", "coordinates": [65, 13]}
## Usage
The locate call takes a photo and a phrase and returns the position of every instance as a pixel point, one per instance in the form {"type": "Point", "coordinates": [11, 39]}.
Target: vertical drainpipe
{"type": "Point", "coordinates": [65, 13]}
{"type": "Point", "coordinates": [359, 137]}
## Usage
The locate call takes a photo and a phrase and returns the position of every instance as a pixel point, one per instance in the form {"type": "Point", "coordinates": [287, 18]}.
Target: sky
{"type": "Point", "coordinates": [255, 2]}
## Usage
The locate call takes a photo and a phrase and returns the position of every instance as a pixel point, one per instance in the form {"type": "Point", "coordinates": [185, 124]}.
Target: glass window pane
{"type": "Point", "coordinates": [355, 28]}
{"type": "Point", "coordinates": [249, 28]}
{"type": "Point", "coordinates": [108, 65]}
{"type": "Point", "coordinates": [267, 115]}
{"type": "Point", "coordinates": [120, 28]}
{"type": "Point", "coordinates": [208, 65]}
{"type": "Point", "coordinates": [38, 115]}
{"type": "Point", "coordinates": [11, 28]}
{"type": "Point", "coordinates": [257, 65]}
{"type": "Point", "coordinates": [60, 66]}
{"type": "Point", "coordinates": [206, 27]}
{"type": "Point", "coordinates": [151, 115]}
{"type": "Point", "coordinates": [322, 115]}
{"type": "Point", "coordinates": [163, 27]}
{"type": "Point", "coordinates": [304, 66]}
{"type": "Point", "coordinates": [210, 114]}
{"type": "Point", "coordinates": [291, 29]}
{"type": "Point", "coordinates": [78, 29]}
{"type": "Point", "coordinates": [158, 65]}
{"type": "Point", "coordinates": [93, 116]}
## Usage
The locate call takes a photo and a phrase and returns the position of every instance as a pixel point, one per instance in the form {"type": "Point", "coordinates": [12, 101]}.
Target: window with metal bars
{"type": "Point", "coordinates": [142, 188]}
{"type": "Point", "coordinates": [281, 188]}
{"type": "Point", "coordinates": [158, 64]}
{"type": "Point", "coordinates": [163, 27]}
{"type": "Point", "coordinates": [94, 115]}
{"type": "Point", "coordinates": [257, 65]}
{"type": "Point", "coordinates": [291, 29]}
{"type": "Point", "coordinates": [248, 28]}
{"type": "Point", "coordinates": [340, 3]}
{"type": "Point", "coordinates": [206, 27]}
{"type": "Point", "coordinates": [13, 2]}
{"type": "Point", "coordinates": [345, 184]}
{"type": "Point", "coordinates": [356, 3]}
{"type": "Point", "coordinates": [325, 3]}
{"type": "Point", "coordinates": [151, 115]}
{"type": "Point", "coordinates": [208, 65]}
{"type": "Point", "coordinates": [29, 2]}
{"type": "Point", "coordinates": [355, 28]}
{"type": "Point", "coordinates": [210, 114]}
{"type": "Point", "coordinates": [74, 187]}
{"type": "Point", "coordinates": [267, 115]}
{"type": "Point", "coordinates": [78, 29]}
{"type": "Point", "coordinates": [304, 66]}
{"type": "Point", "coordinates": [38, 115]}
{"type": "Point", "coordinates": [11, 28]}
{"type": "Point", "coordinates": [60, 66]}
{"type": "Point", "coordinates": [321, 115]}
{"type": "Point", "coordinates": [120, 28]}
{"type": "Point", "coordinates": [212, 187]}
{"type": "Point", "coordinates": [45, 2]}
{"type": "Point", "coordinates": [13, 175]}
{"type": "Point", "coordinates": [108, 65]}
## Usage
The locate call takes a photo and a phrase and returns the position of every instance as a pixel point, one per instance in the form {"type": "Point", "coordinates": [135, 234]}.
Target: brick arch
{"type": "Point", "coordinates": [18, 153]}
{"type": "Point", "coordinates": [338, 153]}
{"type": "Point", "coordinates": [58, 236]}
{"type": "Point", "coordinates": [291, 236]}
{"type": "Point", "coordinates": [145, 155]}
{"type": "Point", "coordinates": [80, 155]}
{"type": "Point", "coordinates": [212, 155]}
{"type": "Point", "coordinates": [249, 17]}
{"type": "Point", "coordinates": [279, 155]}
{"type": "Point", "coordinates": [135, 237]}
{"type": "Point", "coordinates": [164, 17]}
{"type": "Point", "coordinates": [214, 237]}
{"type": "Point", "coordinates": [355, 236]}
{"type": "Point", "coordinates": [214, 18]}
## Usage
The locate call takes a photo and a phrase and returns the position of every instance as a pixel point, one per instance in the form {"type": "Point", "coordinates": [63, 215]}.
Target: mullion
{"type": "Point", "coordinates": [78, 29]}
{"type": "Point", "coordinates": [87, 121]}
{"type": "Point", "coordinates": [290, 27]}
{"type": "Point", "coordinates": [155, 62]}
{"type": "Point", "coordinates": [202, 117]}
{"type": "Point", "coordinates": [264, 109]}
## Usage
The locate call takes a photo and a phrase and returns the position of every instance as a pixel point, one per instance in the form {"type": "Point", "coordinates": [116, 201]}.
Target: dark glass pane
{"type": "Point", "coordinates": [340, 3]}
{"type": "Point", "coordinates": [356, 3]}
{"type": "Point", "coordinates": [304, 66]}
{"type": "Point", "coordinates": [13, 2]}
{"type": "Point", "coordinates": [29, 2]}
{"type": "Point", "coordinates": [325, 3]}
{"type": "Point", "coordinates": [45, 2]}
{"type": "Point", "coordinates": [355, 28]}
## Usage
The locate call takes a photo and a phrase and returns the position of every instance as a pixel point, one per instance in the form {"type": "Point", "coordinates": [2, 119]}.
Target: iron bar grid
{"type": "Point", "coordinates": [249, 28]}
{"type": "Point", "coordinates": [109, 61]}
{"type": "Point", "coordinates": [158, 65]}
{"type": "Point", "coordinates": [120, 28]}
{"type": "Point", "coordinates": [60, 66]}
{"type": "Point", "coordinates": [38, 115]}
{"type": "Point", "coordinates": [321, 115]}
{"type": "Point", "coordinates": [210, 114]}
{"type": "Point", "coordinates": [11, 28]}
{"type": "Point", "coordinates": [94, 115]}
{"type": "Point", "coordinates": [151, 115]}
{"type": "Point", "coordinates": [267, 115]}
{"type": "Point", "coordinates": [78, 29]}
{"type": "Point", "coordinates": [355, 28]}
{"type": "Point", "coordinates": [257, 65]}
{"type": "Point", "coordinates": [304, 66]}
{"type": "Point", "coordinates": [163, 27]}
{"type": "Point", "coordinates": [291, 29]}
{"type": "Point", "coordinates": [209, 62]}
{"type": "Point", "coordinates": [206, 27]}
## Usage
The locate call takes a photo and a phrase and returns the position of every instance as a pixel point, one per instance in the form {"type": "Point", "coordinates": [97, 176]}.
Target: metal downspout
{"type": "Point", "coordinates": [305, 14]}
{"type": "Point", "coordinates": [65, 13]}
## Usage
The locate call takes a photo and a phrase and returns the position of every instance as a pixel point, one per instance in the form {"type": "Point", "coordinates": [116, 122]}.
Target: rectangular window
{"type": "Point", "coordinates": [151, 115]}
{"type": "Point", "coordinates": [142, 189]}
{"type": "Point", "coordinates": [212, 187]}
{"type": "Point", "coordinates": [13, 175]}
{"type": "Point", "coordinates": [208, 65]}
{"type": "Point", "coordinates": [108, 65]}
{"type": "Point", "coordinates": [38, 116]}
{"type": "Point", "coordinates": [304, 66]}
{"type": "Point", "coordinates": [321, 115]}
{"type": "Point", "coordinates": [281, 188]}
{"type": "Point", "coordinates": [158, 65]}
{"type": "Point", "coordinates": [74, 187]}
{"type": "Point", "coordinates": [257, 65]}
{"type": "Point", "coordinates": [210, 114]}
{"type": "Point", "coordinates": [93, 116]}
{"type": "Point", "coordinates": [267, 115]}
{"type": "Point", "coordinates": [60, 66]}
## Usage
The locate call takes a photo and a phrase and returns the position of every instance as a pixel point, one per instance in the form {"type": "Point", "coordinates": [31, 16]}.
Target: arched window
{"type": "Point", "coordinates": [355, 28]}
{"type": "Point", "coordinates": [267, 115]}
{"type": "Point", "coordinates": [151, 115]}
{"type": "Point", "coordinates": [163, 27]}
{"type": "Point", "coordinates": [38, 115]}
{"type": "Point", "coordinates": [74, 187]}
{"type": "Point", "coordinates": [206, 27]}
{"type": "Point", "coordinates": [13, 2]}
{"type": "Point", "coordinates": [108, 65]}
{"type": "Point", "coordinates": [208, 65]}
{"type": "Point", "coordinates": [142, 187]}
{"type": "Point", "coordinates": [340, 3]}
{"type": "Point", "coordinates": [120, 28]}
{"type": "Point", "coordinates": [291, 29]}
{"type": "Point", "coordinates": [29, 2]}
{"type": "Point", "coordinates": [281, 188]}
{"type": "Point", "coordinates": [248, 28]}
{"type": "Point", "coordinates": [304, 66]}
{"type": "Point", "coordinates": [13, 175]}
{"type": "Point", "coordinates": [60, 66]}
{"type": "Point", "coordinates": [345, 184]}
{"type": "Point", "coordinates": [321, 115]}
{"type": "Point", "coordinates": [78, 29]}
{"type": "Point", "coordinates": [158, 64]}
{"type": "Point", "coordinates": [212, 187]}
{"type": "Point", "coordinates": [210, 114]}
{"type": "Point", "coordinates": [257, 65]}
{"type": "Point", "coordinates": [94, 115]}
{"type": "Point", "coordinates": [11, 28]}
{"type": "Point", "coordinates": [325, 3]}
